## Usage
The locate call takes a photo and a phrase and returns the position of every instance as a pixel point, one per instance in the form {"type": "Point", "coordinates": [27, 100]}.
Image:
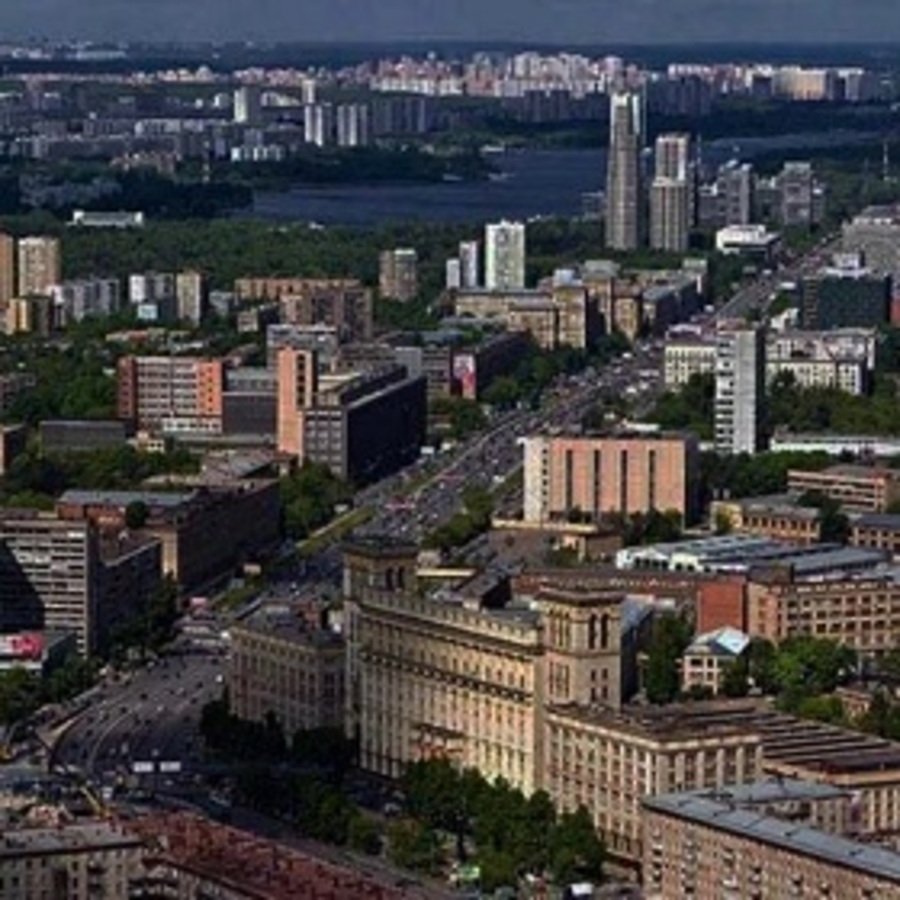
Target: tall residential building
{"type": "Point", "coordinates": [740, 388]}
{"type": "Point", "coordinates": [398, 274]}
{"type": "Point", "coordinates": [624, 225]}
{"type": "Point", "coordinates": [319, 124]}
{"type": "Point", "coordinates": [734, 185]}
{"type": "Point", "coordinates": [353, 125]}
{"type": "Point", "coordinates": [670, 194]}
{"type": "Point", "coordinates": [7, 268]}
{"type": "Point", "coordinates": [470, 264]}
{"type": "Point", "coordinates": [248, 105]}
{"type": "Point", "coordinates": [171, 394]}
{"type": "Point", "coordinates": [504, 244]}
{"type": "Point", "coordinates": [39, 265]}
{"type": "Point", "coordinates": [297, 387]}
{"type": "Point", "coordinates": [616, 474]}
{"type": "Point", "coordinates": [190, 297]}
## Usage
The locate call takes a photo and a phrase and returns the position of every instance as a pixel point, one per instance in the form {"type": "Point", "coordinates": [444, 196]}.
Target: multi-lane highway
{"type": "Point", "coordinates": [150, 717]}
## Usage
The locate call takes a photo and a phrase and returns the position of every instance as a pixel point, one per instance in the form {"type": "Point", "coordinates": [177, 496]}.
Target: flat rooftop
{"type": "Point", "coordinates": [88, 837]}
{"type": "Point", "coordinates": [288, 624]}
{"type": "Point", "coordinates": [153, 499]}
{"type": "Point", "coordinates": [800, 839]}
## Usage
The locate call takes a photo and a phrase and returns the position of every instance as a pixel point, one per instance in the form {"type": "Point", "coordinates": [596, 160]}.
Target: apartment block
{"type": "Point", "coordinates": [504, 256]}
{"type": "Point", "coordinates": [858, 489]}
{"type": "Point", "coordinates": [709, 844]}
{"type": "Point", "coordinates": [170, 394]}
{"type": "Point", "coordinates": [280, 665]}
{"type": "Point", "coordinates": [876, 531]}
{"type": "Point", "coordinates": [398, 274]}
{"type": "Point", "coordinates": [78, 861]}
{"type": "Point", "coordinates": [344, 304]}
{"type": "Point", "coordinates": [39, 265]}
{"type": "Point", "coordinates": [740, 388]}
{"type": "Point", "coordinates": [596, 476]}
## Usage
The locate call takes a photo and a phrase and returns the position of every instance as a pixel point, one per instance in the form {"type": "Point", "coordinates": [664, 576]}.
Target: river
{"type": "Point", "coordinates": [533, 183]}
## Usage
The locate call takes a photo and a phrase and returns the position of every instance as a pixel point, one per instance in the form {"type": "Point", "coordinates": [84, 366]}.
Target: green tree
{"type": "Point", "coordinates": [670, 637]}
{"type": "Point", "coordinates": [576, 851]}
{"type": "Point", "coordinates": [136, 514]}
{"type": "Point", "coordinates": [364, 835]}
{"type": "Point", "coordinates": [411, 845]}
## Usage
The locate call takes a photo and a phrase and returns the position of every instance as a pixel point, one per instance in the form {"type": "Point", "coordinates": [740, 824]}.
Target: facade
{"type": "Point", "coordinates": [39, 265]}
{"type": "Point", "coordinates": [754, 241]}
{"type": "Point", "coordinates": [709, 844]}
{"type": "Point", "coordinates": [362, 426]}
{"type": "Point", "coordinates": [476, 368]}
{"type": "Point", "coordinates": [463, 674]}
{"type": "Point", "coordinates": [860, 489]}
{"type": "Point", "coordinates": [77, 300]}
{"type": "Point", "coordinates": [278, 664]}
{"type": "Point", "coordinates": [398, 274]}
{"type": "Point", "coordinates": [78, 861]}
{"type": "Point", "coordinates": [779, 517]}
{"type": "Point", "coordinates": [685, 356]}
{"type": "Point", "coordinates": [345, 305]}
{"type": "Point", "coordinates": [75, 435]}
{"type": "Point", "coordinates": [876, 531]}
{"type": "Point", "coordinates": [670, 194]}
{"type": "Point", "coordinates": [469, 264]}
{"type": "Point", "coordinates": [608, 762]}
{"type": "Point", "coordinates": [740, 388]}
{"type": "Point", "coordinates": [624, 200]}
{"type": "Point", "coordinates": [504, 263]}
{"type": "Point", "coordinates": [596, 476]}
{"type": "Point", "coordinates": [60, 576]}
{"type": "Point", "coordinates": [190, 297]}
{"type": "Point", "coordinates": [170, 394]}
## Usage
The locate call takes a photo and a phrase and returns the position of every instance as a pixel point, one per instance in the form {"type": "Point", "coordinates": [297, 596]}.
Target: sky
{"type": "Point", "coordinates": [595, 22]}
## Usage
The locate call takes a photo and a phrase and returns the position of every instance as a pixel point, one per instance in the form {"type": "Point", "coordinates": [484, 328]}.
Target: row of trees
{"type": "Point", "coordinates": [22, 693]}
{"type": "Point", "coordinates": [309, 498]}
{"type": "Point", "coordinates": [493, 824]}
{"type": "Point", "coordinates": [464, 526]}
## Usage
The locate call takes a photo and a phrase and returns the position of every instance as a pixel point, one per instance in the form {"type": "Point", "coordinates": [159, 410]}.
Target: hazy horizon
{"type": "Point", "coordinates": [585, 22]}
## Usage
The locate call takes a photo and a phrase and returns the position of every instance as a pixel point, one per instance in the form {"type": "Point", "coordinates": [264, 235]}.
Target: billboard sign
{"type": "Point", "coordinates": [22, 646]}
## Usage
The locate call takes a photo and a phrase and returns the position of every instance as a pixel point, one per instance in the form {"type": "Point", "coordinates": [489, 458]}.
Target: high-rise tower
{"type": "Point", "coordinates": [624, 204]}
{"type": "Point", "coordinates": [670, 194]}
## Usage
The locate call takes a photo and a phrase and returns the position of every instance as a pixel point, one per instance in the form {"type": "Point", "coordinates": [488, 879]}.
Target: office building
{"type": "Point", "coordinates": [504, 248]}
{"type": "Point", "coordinates": [398, 274]}
{"type": "Point", "coordinates": [755, 242]}
{"type": "Point", "coordinates": [76, 860]}
{"type": "Point", "coordinates": [470, 264]}
{"type": "Point", "coordinates": [280, 665]}
{"type": "Point", "coordinates": [740, 388]}
{"type": "Point", "coordinates": [476, 367]}
{"type": "Point", "coordinates": [717, 843]}
{"type": "Point", "coordinates": [847, 295]}
{"type": "Point", "coordinates": [624, 198]}
{"type": "Point", "coordinates": [8, 283]}
{"type": "Point", "coordinates": [170, 394]}
{"type": "Point", "coordinates": [362, 426]}
{"type": "Point", "coordinates": [858, 489]}
{"type": "Point", "coordinates": [608, 761]}
{"type": "Point", "coordinates": [619, 474]}
{"type": "Point", "coordinates": [514, 658]}
{"type": "Point", "coordinates": [190, 297]}
{"type": "Point", "coordinates": [39, 265]}
{"type": "Point", "coordinates": [670, 194]}
{"type": "Point", "coordinates": [207, 530]}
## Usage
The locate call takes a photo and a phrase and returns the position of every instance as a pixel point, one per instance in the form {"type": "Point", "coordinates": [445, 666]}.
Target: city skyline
{"type": "Point", "coordinates": [573, 21]}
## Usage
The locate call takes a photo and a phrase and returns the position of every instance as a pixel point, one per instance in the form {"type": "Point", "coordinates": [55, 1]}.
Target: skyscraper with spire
{"type": "Point", "coordinates": [624, 197]}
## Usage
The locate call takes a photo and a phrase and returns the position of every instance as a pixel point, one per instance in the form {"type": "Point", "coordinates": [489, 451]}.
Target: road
{"type": "Point", "coordinates": [151, 717]}
{"type": "Point", "coordinates": [756, 297]}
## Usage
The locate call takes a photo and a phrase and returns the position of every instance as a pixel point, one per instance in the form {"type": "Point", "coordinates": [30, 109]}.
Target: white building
{"type": "Point", "coordinates": [504, 256]}
{"type": "Point", "coordinates": [740, 388]}
{"type": "Point", "coordinates": [748, 240]}
{"type": "Point", "coordinates": [248, 105]}
{"type": "Point", "coordinates": [470, 264]}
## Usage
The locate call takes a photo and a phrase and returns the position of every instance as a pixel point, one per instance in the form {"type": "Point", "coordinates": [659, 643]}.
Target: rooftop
{"type": "Point", "coordinates": [725, 641]}
{"type": "Point", "coordinates": [283, 622]}
{"type": "Point", "coordinates": [153, 499]}
{"type": "Point", "coordinates": [85, 837]}
{"type": "Point", "coordinates": [801, 839]}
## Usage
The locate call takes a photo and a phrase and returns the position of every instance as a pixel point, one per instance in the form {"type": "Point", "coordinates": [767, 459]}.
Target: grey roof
{"type": "Point", "coordinates": [166, 499]}
{"type": "Point", "coordinates": [802, 839]}
{"type": "Point", "coordinates": [884, 521]}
